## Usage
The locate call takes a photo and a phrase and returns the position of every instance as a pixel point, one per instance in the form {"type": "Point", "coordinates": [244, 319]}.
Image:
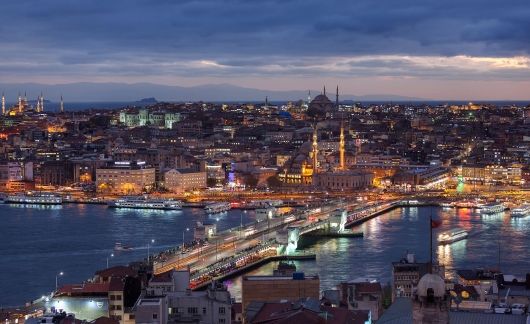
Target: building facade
{"type": "Point", "coordinates": [125, 178]}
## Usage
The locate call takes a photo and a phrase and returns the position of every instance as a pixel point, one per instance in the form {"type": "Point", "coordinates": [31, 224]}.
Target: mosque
{"type": "Point", "coordinates": [322, 107]}
{"type": "Point", "coordinates": [23, 106]}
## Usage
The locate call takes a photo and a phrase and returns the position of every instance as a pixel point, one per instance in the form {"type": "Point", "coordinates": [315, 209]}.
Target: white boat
{"type": "Point", "coordinates": [217, 208]}
{"type": "Point", "coordinates": [452, 236]}
{"type": "Point", "coordinates": [121, 247]}
{"type": "Point", "coordinates": [502, 308]}
{"type": "Point", "coordinates": [521, 211]}
{"type": "Point", "coordinates": [518, 309]}
{"type": "Point", "coordinates": [35, 198]}
{"type": "Point", "coordinates": [492, 208]}
{"type": "Point", "coordinates": [142, 202]}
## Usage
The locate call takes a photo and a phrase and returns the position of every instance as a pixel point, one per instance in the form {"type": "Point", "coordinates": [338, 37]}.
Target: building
{"type": "Point", "coordinates": [362, 296]}
{"type": "Point", "coordinates": [168, 299]}
{"type": "Point", "coordinates": [278, 288]}
{"type": "Point", "coordinates": [306, 311]}
{"type": "Point", "coordinates": [343, 180]}
{"type": "Point", "coordinates": [57, 173]}
{"type": "Point", "coordinates": [125, 178]}
{"type": "Point", "coordinates": [492, 174]}
{"type": "Point", "coordinates": [15, 175]}
{"type": "Point", "coordinates": [406, 275]}
{"type": "Point", "coordinates": [181, 180]}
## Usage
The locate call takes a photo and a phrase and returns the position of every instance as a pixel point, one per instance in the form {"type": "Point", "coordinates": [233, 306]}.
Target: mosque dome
{"type": "Point", "coordinates": [320, 105]}
{"type": "Point", "coordinates": [431, 281]}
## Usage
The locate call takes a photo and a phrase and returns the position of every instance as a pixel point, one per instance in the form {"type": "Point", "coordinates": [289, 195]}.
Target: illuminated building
{"type": "Point", "coordinates": [343, 180]}
{"type": "Point", "coordinates": [124, 177]}
{"type": "Point", "coordinates": [3, 104]}
{"type": "Point", "coordinates": [181, 180]}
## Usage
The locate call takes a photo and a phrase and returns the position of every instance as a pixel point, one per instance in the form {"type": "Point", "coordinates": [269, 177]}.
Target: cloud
{"type": "Point", "coordinates": [65, 40]}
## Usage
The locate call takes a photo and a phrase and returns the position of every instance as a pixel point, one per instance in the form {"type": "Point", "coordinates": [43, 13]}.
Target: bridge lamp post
{"type": "Point", "coordinates": [111, 256]}
{"type": "Point", "coordinates": [57, 279]}
{"type": "Point", "coordinates": [187, 230]}
{"type": "Point", "coordinates": [148, 245]}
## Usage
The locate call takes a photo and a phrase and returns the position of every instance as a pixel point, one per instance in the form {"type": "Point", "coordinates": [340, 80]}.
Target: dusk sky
{"type": "Point", "coordinates": [455, 49]}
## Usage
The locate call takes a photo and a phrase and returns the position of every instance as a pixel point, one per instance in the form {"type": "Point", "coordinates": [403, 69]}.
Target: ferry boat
{"type": "Point", "coordinates": [492, 208]}
{"type": "Point", "coordinates": [217, 208]}
{"type": "Point", "coordinates": [452, 236]}
{"type": "Point", "coordinates": [35, 198]}
{"type": "Point", "coordinates": [121, 247]}
{"type": "Point", "coordinates": [521, 211]}
{"type": "Point", "coordinates": [143, 202]}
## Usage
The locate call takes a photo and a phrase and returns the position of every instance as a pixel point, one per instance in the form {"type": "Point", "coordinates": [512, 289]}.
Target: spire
{"type": "Point", "coordinates": [41, 102]}
{"type": "Point", "coordinates": [342, 144]}
{"type": "Point", "coordinates": [37, 109]}
{"type": "Point", "coordinates": [62, 104]}
{"type": "Point", "coordinates": [337, 98]}
{"type": "Point", "coordinates": [315, 150]}
{"type": "Point", "coordinates": [266, 102]}
{"type": "Point", "coordinates": [324, 90]}
{"type": "Point", "coordinates": [19, 103]}
{"type": "Point", "coordinates": [308, 96]}
{"type": "Point", "coordinates": [3, 104]}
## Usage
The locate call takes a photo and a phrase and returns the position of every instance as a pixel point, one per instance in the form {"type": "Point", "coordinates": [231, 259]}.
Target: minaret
{"type": "Point", "coordinates": [3, 104]}
{"type": "Point", "coordinates": [37, 109]}
{"type": "Point", "coordinates": [62, 104]}
{"type": "Point", "coordinates": [266, 102]}
{"type": "Point", "coordinates": [19, 103]}
{"type": "Point", "coordinates": [342, 145]}
{"type": "Point", "coordinates": [41, 102]}
{"type": "Point", "coordinates": [324, 90]}
{"type": "Point", "coordinates": [315, 150]}
{"type": "Point", "coordinates": [337, 98]}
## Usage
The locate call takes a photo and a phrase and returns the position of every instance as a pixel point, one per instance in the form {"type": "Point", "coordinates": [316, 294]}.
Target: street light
{"type": "Point", "coordinates": [148, 254]}
{"type": "Point", "coordinates": [187, 230]}
{"type": "Point", "coordinates": [57, 279]}
{"type": "Point", "coordinates": [111, 256]}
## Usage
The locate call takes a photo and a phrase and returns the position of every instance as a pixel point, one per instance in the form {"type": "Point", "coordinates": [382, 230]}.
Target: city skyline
{"type": "Point", "coordinates": [459, 52]}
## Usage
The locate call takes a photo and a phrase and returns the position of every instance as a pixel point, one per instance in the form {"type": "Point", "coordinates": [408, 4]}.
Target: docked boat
{"type": "Point", "coordinates": [34, 198]}
{"type": "Point", "coordinates": [217, 208]}
{"type": "Point", "coordinates": [121, 247]}
{"type": "Point", "coordinates": [142, 202]}
{"type": "Point", "coordinates": [521, 211]}
{"type": "Point", "coordinates": [452, 236]}
{"type": "Point", "coordinates": [492, 208]}
{"type": "Point", "coordinates": [518, 309]}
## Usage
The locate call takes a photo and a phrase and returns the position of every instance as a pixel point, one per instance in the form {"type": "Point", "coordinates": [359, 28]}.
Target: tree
{"type": "Point", "coordinates": [251, 181]}
{"type": "Point", "coordinates": [274, 182]}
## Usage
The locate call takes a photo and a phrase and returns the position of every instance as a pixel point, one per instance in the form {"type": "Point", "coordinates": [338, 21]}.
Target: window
{"type": "Point", "coordinates": [155, 316]}
{"type": "Point", "coordinates": [118, 307]}
{"type": "Point", "coordinates": [118, 297]}
{"type": "Point", "coordinates": [221, 321]}
{"type": "Point", "coordinates": [193, 310]}
{"type": "Point", "coordinates": [221, 310]}
{"type": "Point", "coordinates": [204, 310]}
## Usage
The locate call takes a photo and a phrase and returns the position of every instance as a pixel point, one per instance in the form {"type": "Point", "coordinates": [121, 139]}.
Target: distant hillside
{"type": "Point", "coordinates": [90, 92]}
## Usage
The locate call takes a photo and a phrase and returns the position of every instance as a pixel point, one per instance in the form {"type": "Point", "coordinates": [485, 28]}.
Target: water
{"type": "Point", "coordinates": [38, 243]}
{"type": "Point", "coordinates": [389, 236]}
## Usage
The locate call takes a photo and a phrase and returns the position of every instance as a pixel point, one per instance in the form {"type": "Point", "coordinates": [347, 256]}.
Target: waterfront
{"type": "Point", "coordinates": [77, 239]}
{"type": "Point", "coordinates": [41, 241]}
{"type": "Point", "coordinates": [388, 237]}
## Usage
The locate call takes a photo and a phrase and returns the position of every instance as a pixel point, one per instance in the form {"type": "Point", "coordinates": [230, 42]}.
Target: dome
{"type": "Point", "coordinates": [320, 105]}
{"type": "Point", "coordinates": [321, 99]}
{"type": "Point", "coordinates": [431, 281]}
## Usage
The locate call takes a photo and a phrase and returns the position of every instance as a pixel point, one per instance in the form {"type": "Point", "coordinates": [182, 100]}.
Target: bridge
{"type": "Point", "coordinates": [242, 247]}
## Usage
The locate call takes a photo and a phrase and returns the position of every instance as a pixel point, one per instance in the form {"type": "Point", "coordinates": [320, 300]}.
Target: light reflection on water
{"type": "Point", "coordinates": [389, 236]}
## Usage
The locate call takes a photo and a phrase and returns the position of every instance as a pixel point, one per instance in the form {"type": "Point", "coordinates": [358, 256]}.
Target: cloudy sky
{"type": "Point", "coordinates": [453, 49]}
